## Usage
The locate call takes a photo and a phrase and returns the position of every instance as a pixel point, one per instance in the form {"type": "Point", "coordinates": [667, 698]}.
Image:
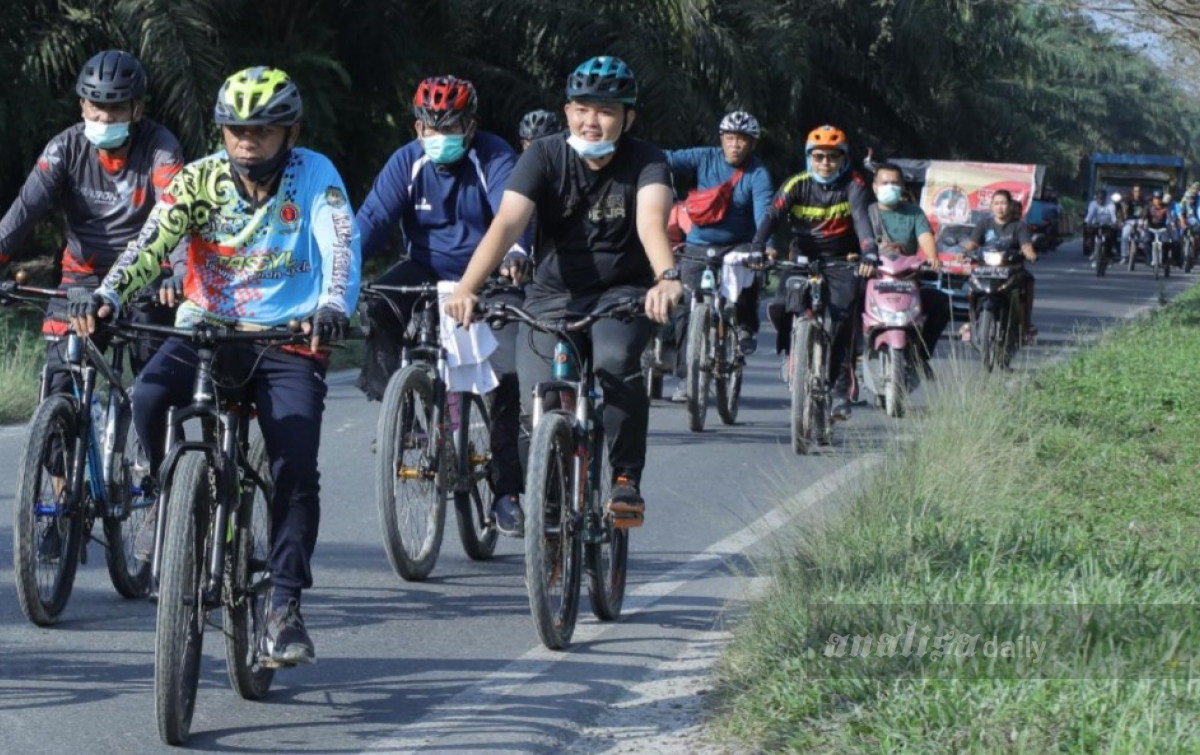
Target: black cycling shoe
{"type": "Point", "coordinates": [286, 642]}
{"type": "Point", "coordinates": [747, 341]}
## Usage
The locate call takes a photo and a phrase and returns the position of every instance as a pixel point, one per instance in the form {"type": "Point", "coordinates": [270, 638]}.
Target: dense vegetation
{"type": "Point", "coordinates": [1011, 80]}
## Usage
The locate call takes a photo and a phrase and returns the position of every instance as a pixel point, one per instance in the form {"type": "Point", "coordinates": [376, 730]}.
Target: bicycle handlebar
{"type": "Point", "coordinates": [627, 308]}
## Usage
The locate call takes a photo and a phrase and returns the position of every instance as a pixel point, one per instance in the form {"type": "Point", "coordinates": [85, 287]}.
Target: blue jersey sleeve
{"type": "Point", "coordinates": [383, 207]}
{"type": "Point", "coordinates": [338, 244]}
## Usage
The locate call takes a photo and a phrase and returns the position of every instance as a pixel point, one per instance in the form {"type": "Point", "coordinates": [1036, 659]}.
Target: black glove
{"type": "Point", "coordinates": [82, 302]}
{"type": "Point", "coordinates": [517, 263]}
{"type": "Point", "coordinates": [330, 325]}
{"type": "Point", "coordinates": [174, 283]}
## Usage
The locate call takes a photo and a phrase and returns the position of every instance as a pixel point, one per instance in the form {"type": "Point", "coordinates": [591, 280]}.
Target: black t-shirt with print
{"type": "Point", "coordinates": [587, 237]}
{"type": "Point", "coordinates": [1012, 235]}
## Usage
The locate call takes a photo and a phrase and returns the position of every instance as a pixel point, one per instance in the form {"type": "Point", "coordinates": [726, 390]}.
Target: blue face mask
{"type": "Point", "coordinates": [889, 194]}
{"type": "Point", "coordinates": [591, 150]}
{"type": "Point", "coordinates": [444, 150]}
{"type": "Point", "coordinates": [845, 165]}
{"type": "Point", "coordinates": [106, 135]}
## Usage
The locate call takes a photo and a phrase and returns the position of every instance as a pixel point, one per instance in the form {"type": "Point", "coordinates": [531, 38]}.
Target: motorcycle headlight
{"type": "Point", "coordinates": [993, 258]}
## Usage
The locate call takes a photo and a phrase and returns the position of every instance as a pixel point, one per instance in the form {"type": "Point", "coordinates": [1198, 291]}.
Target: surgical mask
{"type": "Point", "coordinates": [889, 194]}
{"type": "Point", "coordinates": [106, 135]}
{"type": "Point", "coordinates": [258, 172]}
{"type": "Point", "coordinates": [591, 150]}
{"type": "Point", "coordinates": [444, 150]}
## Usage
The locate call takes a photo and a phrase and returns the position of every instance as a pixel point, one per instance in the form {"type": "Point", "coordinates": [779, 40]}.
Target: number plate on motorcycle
{"type": "Point", "coordinates": [991, 272]}
{"type": "Point", "coordinates": [894, 287]}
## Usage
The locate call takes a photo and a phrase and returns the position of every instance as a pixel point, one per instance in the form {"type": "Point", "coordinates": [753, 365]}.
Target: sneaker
{"type": "Point", "coordinates": [785, 369]}
{"type": "Point", "coordinates": [510, 520]}
{"type": "Point", "coordinates": [625, 503]}
{"type": "Point", "coordinates": [50, 549]}
{"type": "Point", "coordinates": [286, 641]}
{"type": "Point", "coordinates": [747, 341]}
{"type": "Point", "coordinates": [841, 408]}
{"type": "Point", "coordinates": [143, 541]}
{"type": "Point", "coordinates": [680, 395]}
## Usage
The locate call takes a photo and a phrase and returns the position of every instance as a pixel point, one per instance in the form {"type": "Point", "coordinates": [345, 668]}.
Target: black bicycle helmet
{"type": "Point", "coordinates": [111, 76]}
{"type": "Point", "coordinates": [538, 123]}
{"type": "Point", "coordinates": [258, 96]}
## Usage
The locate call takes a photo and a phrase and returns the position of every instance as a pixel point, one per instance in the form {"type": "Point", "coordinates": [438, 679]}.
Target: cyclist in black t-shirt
{"type": "Point", "coordinates": [1009, 233]}
{"type": "Point", "coordinates": [602, 199]}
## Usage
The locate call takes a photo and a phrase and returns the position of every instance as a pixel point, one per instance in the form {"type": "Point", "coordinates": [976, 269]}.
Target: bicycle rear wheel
{"type": "Point", "coordinates": [130, 575]}
{"type": "Point", "coordinates": [473, 495]}
{"type": "Point", "coordinates": [182, 573]}
{"type": "Point", "coordinates": [801, 408]}
{"type": "Point", "coordinates": [606, 559]}
{"type": "Point", "coordinates": [46, 539]}
{"type": "Point", "coordinates": [409, 490]}
{"type": "Point", "coordinates": [247, 584]}
{"type": "Point", "coordinates": [552, 549]}
{"type": "Point", "coordinates": [698, 360]}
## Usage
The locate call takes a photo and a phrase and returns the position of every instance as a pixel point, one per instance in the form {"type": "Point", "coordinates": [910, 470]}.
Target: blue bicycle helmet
{"type": "Point", "coordinates": [603, 78]}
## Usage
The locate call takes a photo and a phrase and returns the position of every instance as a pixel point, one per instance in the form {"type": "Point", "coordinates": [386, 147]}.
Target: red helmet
{"type": "Point", "coordinates": [442, 101]}
{"type": "Point", "coordinates": [827, 137]}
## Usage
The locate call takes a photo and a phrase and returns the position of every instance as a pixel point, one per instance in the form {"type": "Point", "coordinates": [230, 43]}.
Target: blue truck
{"type": "Point", "coordinates": [1119, 172]}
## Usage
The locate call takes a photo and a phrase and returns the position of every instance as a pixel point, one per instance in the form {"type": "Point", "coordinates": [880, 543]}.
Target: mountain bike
{"type": "Point", "coordinates": [1159, 260]}
{"type": "Point", "coordinates": [567, 527]}
{"type": "Point", "coordinates": [713, 355]}
{"type": "Point", "coordinates": [78, 465]}
{"type": "Point", "coordinates": [432, 443]}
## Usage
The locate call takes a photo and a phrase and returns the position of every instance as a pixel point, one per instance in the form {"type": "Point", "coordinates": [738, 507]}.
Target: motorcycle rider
{"type": "Point", "coordinates": [749, 200]}
{"type": "Point", "coordinates": [443, 190]}
{"type": "Point", "coordinates": [1007, 230]}
{"type": "Point", "coordinates": [826, 207]}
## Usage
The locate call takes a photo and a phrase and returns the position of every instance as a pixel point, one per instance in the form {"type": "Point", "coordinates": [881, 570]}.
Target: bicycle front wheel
{"type": "Point", "coordinates": [182, 574]}
{"type": "Point", "coordinates": [46, 537]}
{"type": "Point", "coordinates": [473, 493]}
{"type": "Point", "coordinates": [729, 379]}
{"type": "Point", "coordinates": [552, 548]}
{"type": "Point", "coordinates": [698, 367]}
{"type": "Point", "coordinates": [606, 558]}
{"type": "Point", "coordinates": [247, 583]}
{"type": "Point", "coordinates": [801, 383]}
{"type": "Point", "coordinates": [409, 479]}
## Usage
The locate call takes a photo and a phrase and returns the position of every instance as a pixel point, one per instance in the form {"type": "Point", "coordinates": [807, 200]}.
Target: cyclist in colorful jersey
{"type": "Point", "coordinates": [603, 198]}
{"type": "Point", "coordinates": [443, 189]}
{"type": "Point", "coordinates": [826, 206]}
{"type": "Point", "coordinates": [105, 174]}
{"type": "Point", "coordinates": [272, 239]}
{"type": "Point", "coordinates": [537, 123]}
{"type": "Point", "coordinates": [751, 198]}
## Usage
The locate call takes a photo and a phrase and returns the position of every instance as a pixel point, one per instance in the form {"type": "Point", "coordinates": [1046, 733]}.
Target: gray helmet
{"type": "Point", "coordinates": [538, 123]}
{"type": "Point", "coordinates": [111, 76]}
{"type": "Point", "coordinates": [740, 122]}
{"type": "Point", "coordinates": [258, 96]}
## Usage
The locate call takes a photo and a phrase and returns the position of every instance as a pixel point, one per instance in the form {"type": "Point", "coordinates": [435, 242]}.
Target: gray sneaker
{"type": "Point", "coordinates": [143, 541]}
{"type": "Point", "coordinates": [680, 395]}
{"type": "Point", "coordinates": [286, 641]}
{"type": "Point", "coordinates": [841, 408]}
{"type": "Point", "coordinates": [510, 520]}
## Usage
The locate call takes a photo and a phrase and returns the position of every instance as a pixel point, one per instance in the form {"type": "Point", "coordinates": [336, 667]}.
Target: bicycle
{"type": "Point", "coordinates": [712, 345]}
{"type": "Point", "coordinates": [1158, 260]}
{"type": "Point", "coordinates": [809, 381]}
{"type": "Point", "coordinates": [432, 442]}
{"type": "Point", "coordinates": [77, 466]}
{"type": "Point", "coordinates": [567, 485]}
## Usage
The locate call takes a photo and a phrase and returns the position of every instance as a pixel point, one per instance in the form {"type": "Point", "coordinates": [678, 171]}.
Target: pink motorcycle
{"type": "Point", "coordinates": [892, 320]}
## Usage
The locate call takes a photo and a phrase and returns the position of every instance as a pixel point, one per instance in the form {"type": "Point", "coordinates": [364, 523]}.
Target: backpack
{"type": "Point", "coordinates": [709, 206]}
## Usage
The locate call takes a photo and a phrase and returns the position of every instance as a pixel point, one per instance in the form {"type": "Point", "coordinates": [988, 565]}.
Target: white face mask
{"type": "Point", "coordinates": [106, 135]}
{"type": "Point", "coordinates": [591, 150]}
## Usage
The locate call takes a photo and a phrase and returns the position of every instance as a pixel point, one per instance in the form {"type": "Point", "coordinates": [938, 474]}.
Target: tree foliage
{"type": "Point", "coordinates": [1004, 80]}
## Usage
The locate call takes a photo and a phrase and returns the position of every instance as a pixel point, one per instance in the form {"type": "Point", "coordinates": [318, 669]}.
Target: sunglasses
{"type": "Point", "coordinates": [825, 157]}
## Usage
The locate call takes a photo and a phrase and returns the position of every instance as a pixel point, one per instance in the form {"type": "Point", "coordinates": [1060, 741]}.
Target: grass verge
{"type": "Point", "coordinates": [1059, 509]}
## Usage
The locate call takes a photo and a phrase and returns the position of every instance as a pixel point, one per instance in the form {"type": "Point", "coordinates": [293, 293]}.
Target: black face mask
{"type": "Point", "coordinates": [262, 171]}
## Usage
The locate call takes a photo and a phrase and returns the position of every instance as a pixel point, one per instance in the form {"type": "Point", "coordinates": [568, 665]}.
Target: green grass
{"type": "Point", "coordinates": [22, 353]}
{"type": "Point", "coordinates": [1037, 498]}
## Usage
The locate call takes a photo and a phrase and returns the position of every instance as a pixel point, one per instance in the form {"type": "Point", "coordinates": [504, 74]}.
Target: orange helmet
{"type": "Point", "coordinates": [827, 137]}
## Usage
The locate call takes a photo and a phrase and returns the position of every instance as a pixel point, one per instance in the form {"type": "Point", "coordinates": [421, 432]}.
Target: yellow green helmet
{"type": "Point", "coordinates": [258, 96]}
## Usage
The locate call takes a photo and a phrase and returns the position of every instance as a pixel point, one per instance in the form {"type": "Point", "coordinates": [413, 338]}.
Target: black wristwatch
{"type": "Point", "coordinates": [670, 274]}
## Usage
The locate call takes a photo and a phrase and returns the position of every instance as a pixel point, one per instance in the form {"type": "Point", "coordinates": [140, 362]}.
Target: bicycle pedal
{"type": "Point", "coordinates": [626, 516]}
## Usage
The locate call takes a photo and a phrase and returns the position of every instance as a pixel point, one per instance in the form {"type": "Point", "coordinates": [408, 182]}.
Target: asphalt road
{"type": "Point", "coordinates": [453, 664]}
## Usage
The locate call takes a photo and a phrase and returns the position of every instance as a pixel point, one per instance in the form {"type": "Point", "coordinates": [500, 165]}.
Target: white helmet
{"type": "Point", "coordinates": [740, 122]}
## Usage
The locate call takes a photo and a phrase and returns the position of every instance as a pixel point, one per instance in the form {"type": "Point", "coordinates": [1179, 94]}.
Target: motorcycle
{"type": "Point", "coordinates": [997, 307]}
{"type": "Point", "coordinates": [892, 320]}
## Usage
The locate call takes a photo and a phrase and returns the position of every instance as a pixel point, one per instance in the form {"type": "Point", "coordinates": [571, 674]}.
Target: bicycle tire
{"type": "Point", "coordinates": [1129, 263]}
{"type": "Point", "coordinates": [988, 343]}
{"type": "Point", "coordinates": [552, 548]}
{"type": "Point", "coordinates": [800, 385]}
{"type": "Point", "coordinates": [729, 379]}
{"type": "Point", "coordinates": [818, 412]}
{"type": "Point", "coordinates": [472, 504]}
{"type": "Point", "coordinates": [129, 575]}
{"type": "Point", "coordinates": [179, 636]}
{"type": "Point", "coordinates": [607, 560]}
{"type": "Point", "coordinates": [247, 582]}
{"type": "Point", "coordinates": [698, 375]}
{"type": "Point", "coordinates": [43, 595]}
{"type": "Point", "coordinates": [1101, 259]}
{"type": "Point", "coordinates": [1156, 263]}
{"type": "Point", "coordinates": [411, 497]}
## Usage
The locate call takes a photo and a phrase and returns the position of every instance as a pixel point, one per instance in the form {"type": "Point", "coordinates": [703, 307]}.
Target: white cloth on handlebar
{"type": "Point", "coordinates": [467, 350]}
{"type": "Point", "coordinates": [735, 276]}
